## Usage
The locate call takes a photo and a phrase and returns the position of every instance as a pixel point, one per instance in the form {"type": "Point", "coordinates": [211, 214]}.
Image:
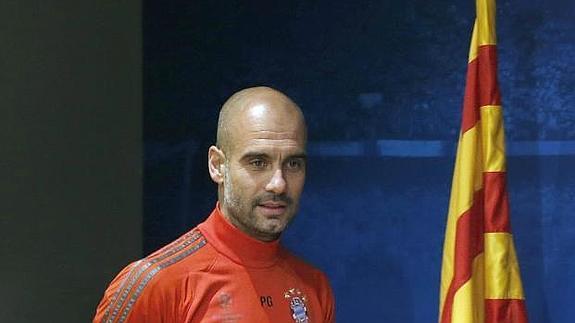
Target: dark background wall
{"type": "Point", "coordinates": [70, 154]}
{"type": "Point", "coordinates": [381, 84]}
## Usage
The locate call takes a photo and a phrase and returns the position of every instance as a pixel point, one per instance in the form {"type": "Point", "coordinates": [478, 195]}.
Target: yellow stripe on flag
{"type": "Point", "coordinates": [486, 22]}
{"type": "Point", "coordinates": [483, 28]}
{"type": "Point", "coordinates": [468, 304]}
{"type": "Point", "coordinates": [502, 278]}
{"type": "Point", "coordinates": [493, 138]}
{"type": "Point", "coordinates": [467, 179]}
{"type": "Point", "coordinates": [473, 48]}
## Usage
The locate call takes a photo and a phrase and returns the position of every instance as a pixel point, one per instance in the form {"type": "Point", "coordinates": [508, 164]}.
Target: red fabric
{"type": "Point", "coordinates": [505, 310]}
{"type": "Point", "coordinates": [468, 245]}
{"type": "Point", "coordinates": [496, 202]}
{"type": "Point", "coordinates": [481, 86]}
{"type": "Point", "coordinates": [216, 273]}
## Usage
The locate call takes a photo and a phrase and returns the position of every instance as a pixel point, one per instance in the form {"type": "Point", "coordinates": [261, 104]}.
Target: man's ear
{"type": "Point", "coordinates": [216, 160]}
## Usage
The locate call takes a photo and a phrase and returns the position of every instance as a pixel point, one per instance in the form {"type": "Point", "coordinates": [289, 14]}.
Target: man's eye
{"type": "Point", "coordinates": [295, 164]}
{"type": "Point", "coordinates": [258, 163]}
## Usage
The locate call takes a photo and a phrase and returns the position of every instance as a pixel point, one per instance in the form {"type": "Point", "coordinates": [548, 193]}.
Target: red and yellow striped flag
{"type": "Point", "coordinates": [480, 279]}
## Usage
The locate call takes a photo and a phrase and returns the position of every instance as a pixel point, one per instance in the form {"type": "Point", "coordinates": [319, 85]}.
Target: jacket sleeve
{"type": "Point", "coordinates": [136, 295]}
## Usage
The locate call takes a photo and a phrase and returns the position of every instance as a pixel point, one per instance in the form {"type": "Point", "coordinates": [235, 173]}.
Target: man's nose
{"type": "Point", "coordinates": [277, 183]}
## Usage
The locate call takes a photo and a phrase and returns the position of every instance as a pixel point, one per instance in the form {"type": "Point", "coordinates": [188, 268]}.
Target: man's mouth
{"type": "Point", "coordinates": [272, 208]}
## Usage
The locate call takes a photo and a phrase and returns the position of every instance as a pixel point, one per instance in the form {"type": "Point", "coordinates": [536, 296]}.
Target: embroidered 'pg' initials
{"type": "Point", "coordinates": [266, 301]}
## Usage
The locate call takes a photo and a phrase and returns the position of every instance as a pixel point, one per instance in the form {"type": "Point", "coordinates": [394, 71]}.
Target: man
{"type": "Point", "coordinates": [231, 268]}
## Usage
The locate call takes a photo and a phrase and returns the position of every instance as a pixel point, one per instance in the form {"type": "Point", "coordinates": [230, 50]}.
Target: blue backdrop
{"type": "Point", "coordinates": [381, 84]}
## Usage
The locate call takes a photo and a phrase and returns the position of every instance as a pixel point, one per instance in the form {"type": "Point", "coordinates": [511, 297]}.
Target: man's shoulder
{"type": "Point", "coordinates": [189, 243]}
{"type": "Point", "coordinates": [178, 260]}
{"type": "Point", "coordinates": [188, 254]}
{"type": "Point", "coordinates": [143, 285]}
{"type": "Point", "coordinates": [302, 267]}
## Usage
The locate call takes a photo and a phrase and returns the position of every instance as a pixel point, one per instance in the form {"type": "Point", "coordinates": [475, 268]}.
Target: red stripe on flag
{"type": "Point", "coordinates": [468, 245]}
{"type": "Point", "coordinates": [496, 202]}
{"type": "Point", "coordinates": [481, 86]}
{"type": "Point", "coordinates": [505, 310]}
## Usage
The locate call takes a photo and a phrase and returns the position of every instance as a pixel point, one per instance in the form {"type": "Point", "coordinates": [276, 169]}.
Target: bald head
{"type": "Point", "coordinates": [259, 162]}
{"type": "Point", "coordinates": [257, 106]}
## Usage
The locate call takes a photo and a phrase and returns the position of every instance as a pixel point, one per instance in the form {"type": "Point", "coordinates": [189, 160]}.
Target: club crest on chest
{"type": "Point", "coordinates": [297, 304]}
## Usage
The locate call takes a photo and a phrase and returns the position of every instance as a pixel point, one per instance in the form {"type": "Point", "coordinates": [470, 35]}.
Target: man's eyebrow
{"type": "Point", "coordinates": [254, 155]}
{"type": "Point", "coordinates": [298, 155]}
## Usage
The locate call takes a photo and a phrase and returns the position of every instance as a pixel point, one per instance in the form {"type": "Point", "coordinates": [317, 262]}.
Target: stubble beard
{"type": "Point", "coordinates": [242, 214]}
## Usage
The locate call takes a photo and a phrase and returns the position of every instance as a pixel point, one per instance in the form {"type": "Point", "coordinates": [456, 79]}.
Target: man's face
{"type": "Point", "coordinates": [264, 171]}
